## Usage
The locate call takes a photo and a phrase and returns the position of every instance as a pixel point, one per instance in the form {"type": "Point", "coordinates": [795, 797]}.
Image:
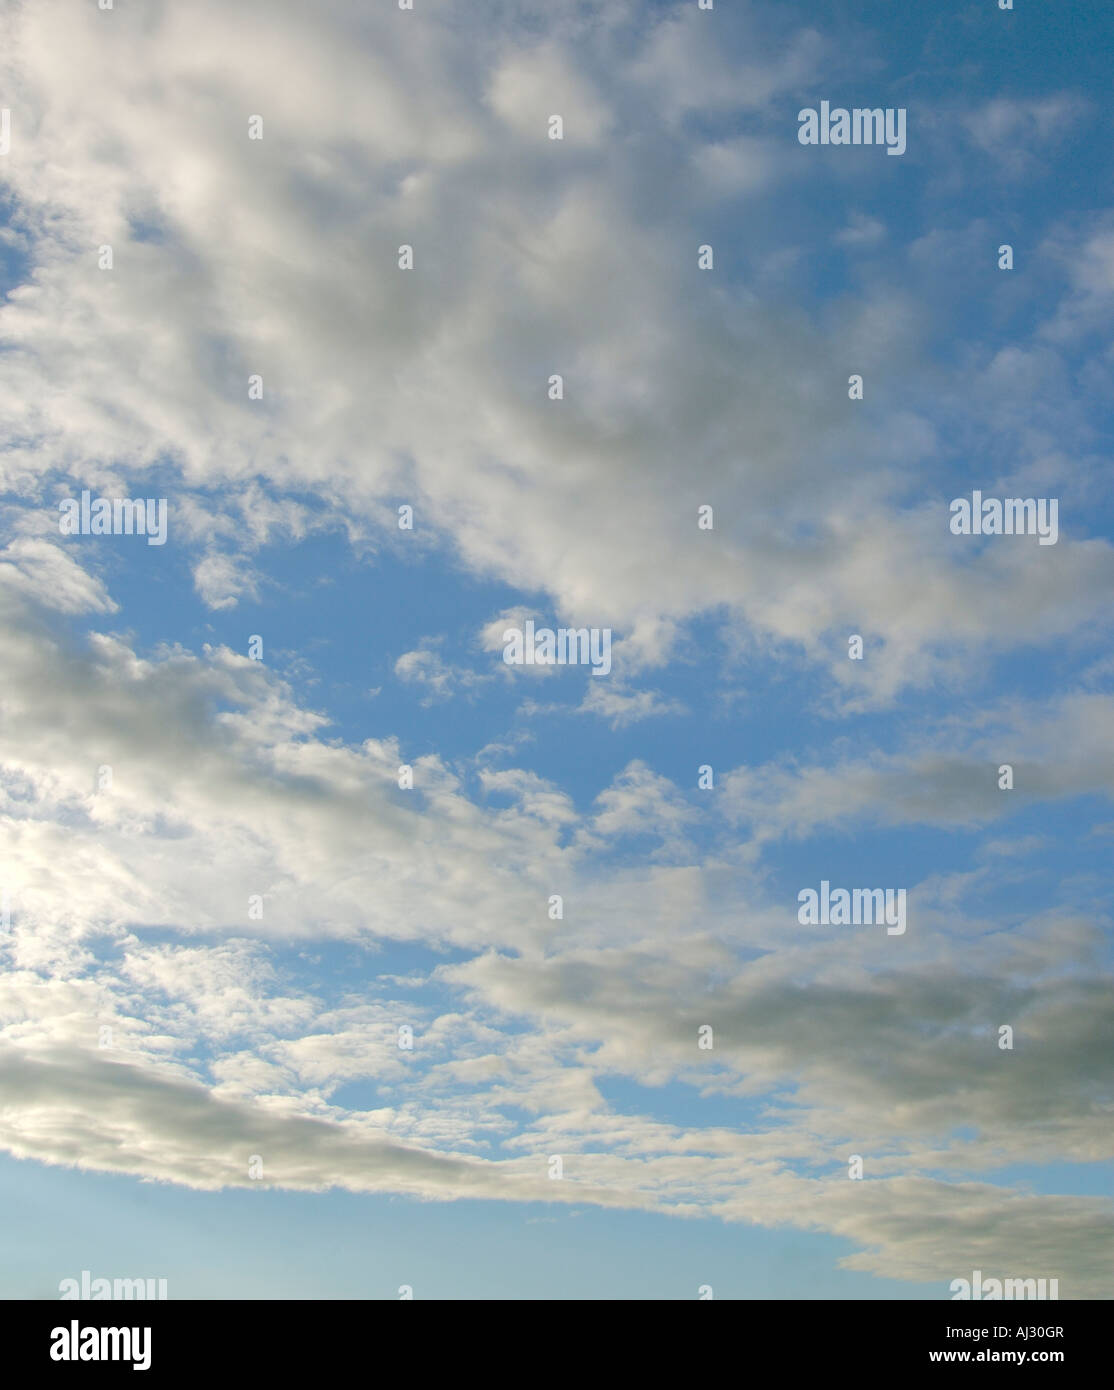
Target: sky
{"type": "Point", "coordinates": [274, 1024]}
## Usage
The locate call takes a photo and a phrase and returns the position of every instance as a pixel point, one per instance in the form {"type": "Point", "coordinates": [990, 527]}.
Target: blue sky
{"type": "Point", "coordinates": [230, 1036]}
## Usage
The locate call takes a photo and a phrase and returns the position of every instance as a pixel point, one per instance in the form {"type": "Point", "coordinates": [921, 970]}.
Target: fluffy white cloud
{"type": "Point", "coordinates": [278, 257]}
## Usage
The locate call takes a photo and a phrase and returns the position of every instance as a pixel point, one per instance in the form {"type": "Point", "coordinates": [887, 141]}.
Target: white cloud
{"type": "Point", "coordinates": [426, 668]}
{"type": "Point", "coordinates": [274, 256]}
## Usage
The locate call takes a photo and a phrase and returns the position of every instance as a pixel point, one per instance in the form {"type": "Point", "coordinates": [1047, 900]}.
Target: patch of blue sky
{"type": "Point", "coordinates": [1069, 1179]}
{"type": "Point", "coordinates": [689, 1106]}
